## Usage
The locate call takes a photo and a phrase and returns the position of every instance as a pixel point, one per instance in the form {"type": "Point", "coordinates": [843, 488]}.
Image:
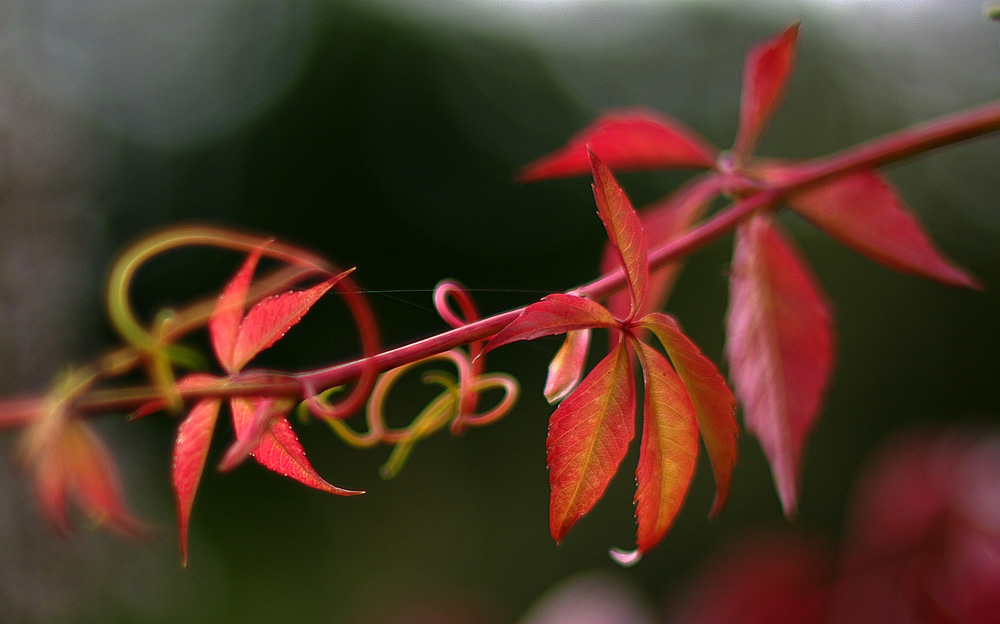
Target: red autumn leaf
{"type": "Point", "coordinates": [713, 402]}
{"type": "Point", "coordinates": [194, 436]}
{"type": "Point", "coordinates": [668, 451]}
{"type": "Point", "coordinates": [631, 139]}
{"type": "Point", "coordinates": [765, 77]}
{"type": "Point", "coordinates": [271, 319]}
{"type": "Point", "coordinates": [190, 451]}
{"type": "Point", "coordinates": [662, 222]}
{"type": "Point", "coordinates": [249, 437]}
{"type": "Point", "coordinates": [566, 368]}
{"type": "Point", "coordinates": [223, 325]}
{"type": "Point", "coordinates": [554, 314]}
{"type": "Point", "coordinates": [70, 461]}
{"type": "Point", "coordinates": [863, 212]}
{"type": "Point", "coordinates": [624, 231]}
{"type": "Point", "coordinates": [588, 436]}
{"type": "Point", "coordinates": [779, 346]}
{"type": "Point", "coordinates": [279, 449]}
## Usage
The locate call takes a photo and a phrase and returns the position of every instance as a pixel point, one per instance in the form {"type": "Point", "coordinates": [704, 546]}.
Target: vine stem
{"type": "Point", "coordinates": [890, 148]}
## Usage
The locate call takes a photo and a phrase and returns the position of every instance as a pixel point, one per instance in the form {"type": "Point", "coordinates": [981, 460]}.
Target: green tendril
{"type": "Point", "coordinates": [154, 346]}
{"type": "Point", "coordinates": [433, 417]}
{"type": "Point", "coordinates": [448, 408]}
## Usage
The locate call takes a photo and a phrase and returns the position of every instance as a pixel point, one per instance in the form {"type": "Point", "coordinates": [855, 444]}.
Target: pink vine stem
{"type": "Point", "coordinates": [897, 146]}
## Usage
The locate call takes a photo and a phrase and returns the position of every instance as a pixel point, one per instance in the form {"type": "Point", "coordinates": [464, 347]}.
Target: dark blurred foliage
{"type": "Point", "coordinates": [385, 137]}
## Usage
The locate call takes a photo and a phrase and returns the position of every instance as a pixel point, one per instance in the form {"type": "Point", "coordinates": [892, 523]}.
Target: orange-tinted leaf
{"type": "Point", "coordinates": [555, 314]}
{"type": "Point", "coordinates": [625, 140]}
{"type": "Point", "coordinates": [779, 346]}
{"type": "Point", "coordinates": [624, 231]}
{"type": "Point", "coordinates": [863, 212]}
{"type": "Point", "coordinates": [566, 368]}
{"type": "Point", "coordinates": [271, 319]}
{"type": "Point", "coordinates": [223, 326]}
{"type": "Point", "coordinates": [662, 222]}
{"type": "Point", "coordinates": [72, 462]}
{"type": "Point", "coordinates": [588, 436]}
{"type": "Point", "coordinates": [713, 402]}
{"type": "Point", "coordinates": [190, 450]}
{"type": "Point", "coordinates": [279, 449]}
{"type": "Point", "coordinates": [668, 451]}
{"type": "Point", "coordinates": [765, 78]}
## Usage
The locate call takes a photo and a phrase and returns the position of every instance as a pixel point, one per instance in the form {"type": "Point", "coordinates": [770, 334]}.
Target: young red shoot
{"type": "Point", "coordinates": [590, 430]}
{"type": "Point", "coordinates": [262, 429]}
{"type": "Point", "coordinates": [858, 208]}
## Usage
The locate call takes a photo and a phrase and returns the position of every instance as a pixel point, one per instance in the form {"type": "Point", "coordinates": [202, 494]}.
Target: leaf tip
{"type": "Point", "coordinates": [596, 166]}
{"type": "Point", "coordinates": [766, 73]}
{"type": "Point", "coordinates": [231, 460]}
{"type": "Point", "coordinates": [553, 396]}
{"type": "Point", "coordinates": [784, 41]}
{"type": "Point", "coordinates": [788, 493]}
{"type": "Point", "coordinates": [964, 279]}
{"type": "Point", "coordinates": [625, 558]}
{"type": "Point", "coordinates": [557, 531]}
{"type": "Point", "coordinates": [718, 505]}
{"type": "Point", "coordinates": [526, 174]}
{"type": "Point", "coordinates": [566, 368]}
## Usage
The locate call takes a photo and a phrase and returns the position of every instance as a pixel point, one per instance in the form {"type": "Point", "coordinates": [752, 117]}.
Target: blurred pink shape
{"type": "Point", "coordinates": [922, 546]}
{"type": "Point", "coordinates": [768, 579]}
{"type": "Point", "coordinates": [924, 534]}
{"type": "Point", "coordinates": [591, 598]}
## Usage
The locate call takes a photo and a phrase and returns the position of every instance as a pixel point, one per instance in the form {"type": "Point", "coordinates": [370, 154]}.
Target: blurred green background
{"type": "Point", "coordinates": [383, 135]}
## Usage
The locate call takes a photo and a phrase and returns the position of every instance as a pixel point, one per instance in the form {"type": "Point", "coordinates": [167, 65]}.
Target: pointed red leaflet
{"type": "Point", "coordinates": [863, 212]}
{"type": "Point", "coordinates": [779, 346]}
{"type": "Point", "coordinates": [566, 368]}
{"type": "Point", "coordinates": [765, 77]}
{"type": "Point", "coordinates": [668, 451]}
{"type": "Point", "coordinates": [555, 314]}
{"type": "Point", "coordinates": [190, 451]}
{"type": "Point", "coordinates": [271, 318]}
{"type": "Point", "coordinates": [624, 231]}
{"type": "Point", "coordinates": [249, 435]}
{"type": "Point", "coordinates": [279, 449]}
{"type": "Point", "coordinates": [588, 436]}
{"type": "Point", "coordinates": [225, 320]}
{"type": "Point", "coordinates": [626, 140]}
{"type": "Point", "coordinates": [662, 222]}
{"type": "Point", "coordinates": [713, 402]}
{"type": "Point", "coordinates": [194, 435]}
